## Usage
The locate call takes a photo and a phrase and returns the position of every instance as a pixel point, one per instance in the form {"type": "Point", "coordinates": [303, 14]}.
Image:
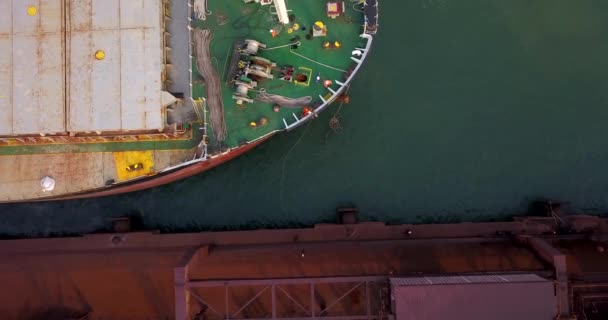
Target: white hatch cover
{"type": "Point", "coordinates": [80, 65]}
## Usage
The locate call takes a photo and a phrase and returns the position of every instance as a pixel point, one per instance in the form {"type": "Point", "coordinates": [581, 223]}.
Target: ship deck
{"type": "Point", "coordinates": [233, 20]}
{"type": "Point", "coordinates": [93, 156]}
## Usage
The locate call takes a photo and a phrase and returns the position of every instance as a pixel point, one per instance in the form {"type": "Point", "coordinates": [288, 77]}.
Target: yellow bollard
{"type": "Point", "coordinates": [100, 55]}
{"type": "Point", "coordinates": [32, 11]}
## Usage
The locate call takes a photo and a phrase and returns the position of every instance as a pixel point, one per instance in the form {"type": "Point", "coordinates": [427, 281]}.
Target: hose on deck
{"type": "Point", "coordinates": [213, 88]}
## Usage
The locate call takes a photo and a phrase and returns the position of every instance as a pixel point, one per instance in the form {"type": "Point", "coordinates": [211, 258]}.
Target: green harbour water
{"type": "Point", "coordinates": [465, 111]}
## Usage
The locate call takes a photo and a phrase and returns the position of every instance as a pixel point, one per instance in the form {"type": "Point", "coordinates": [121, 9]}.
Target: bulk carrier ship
{"type": "Point", "coordinates": [101, 97]}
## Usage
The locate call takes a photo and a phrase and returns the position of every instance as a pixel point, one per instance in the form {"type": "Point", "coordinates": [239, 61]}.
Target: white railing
{"type": "Point", "coordinates": [298, 121]}
{"type": "Point", "coordinates": [334, 93]}
{"type": "Point", "coordinates": [202, 145]}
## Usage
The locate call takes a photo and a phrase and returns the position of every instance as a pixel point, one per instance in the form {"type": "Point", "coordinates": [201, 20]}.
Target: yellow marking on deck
{"type": "Point", "coordinates": [125, 159]}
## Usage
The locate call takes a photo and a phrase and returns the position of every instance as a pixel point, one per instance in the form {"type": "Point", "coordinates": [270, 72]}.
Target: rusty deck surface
{"type": "Point", "coordinates": [133, 278]}
{"type": "Point", "coordinates": [74, 172]}
{"type": "Point", "coordinates": [82, 97]}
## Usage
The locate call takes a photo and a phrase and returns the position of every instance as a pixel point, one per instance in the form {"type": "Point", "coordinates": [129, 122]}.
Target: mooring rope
{"type": "Point", "coordinates": [200, 9]}
{"type": "Point", "coordinates": [282, 187]}
{"type": "Point", "coordinates": [286, 102]}
{"type": "Point", "coordinates": [297, 43]}
{"type": "Point", "coordinates": [213, 87]}
{"type": "Point", "coordinates": [317, 62]}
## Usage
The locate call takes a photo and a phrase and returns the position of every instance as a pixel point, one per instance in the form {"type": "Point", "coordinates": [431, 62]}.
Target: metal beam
{"type": "Point", "coordinates": [341, 297]}
{"type": "Point", "coordinates": [226, 301]}
{"type": "Point", "coordinates": [281, 281]}
{"type": "Point", "coordinates": [276, 284]}
{"type": "Point", "coordinates": [312, 300]}
{"type": "Point", "coordinates": [210, 307]}
{"type": "Point", "coordinates": [293, 300]}
{"type": "Point", "coordinates": [180, 294]}
{"type": "Point", "coordinates": [273, 294]}
{"type": "Point", "coordinates": [550, 254]}
{"type": "Point", "coordinates": [368, 301]}
{"type": "Point", "coordinates": [250, 301]}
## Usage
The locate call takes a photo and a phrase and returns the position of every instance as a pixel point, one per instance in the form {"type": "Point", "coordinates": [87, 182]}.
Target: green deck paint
{"type": "Point", "coordinates": [255, 22]}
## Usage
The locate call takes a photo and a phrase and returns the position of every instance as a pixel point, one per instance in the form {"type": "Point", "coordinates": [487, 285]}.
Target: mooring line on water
{"type": "Point", "coordinates": [281, 190]}
{"type": "Point", "coordinates": [334, 121]}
